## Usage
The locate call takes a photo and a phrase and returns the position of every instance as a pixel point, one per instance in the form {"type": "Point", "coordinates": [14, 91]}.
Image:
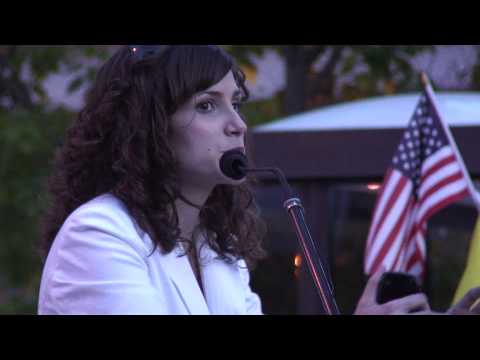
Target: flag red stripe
{"type": "Point", "coordinates": [444, 162]}
{"type": "Point", "coordinates": [437, 207]}
{"type": "Point", "coordinates": [416, 257]}
{"type": "Point", "coordinates": [443, 203]}
{"type": "Point", "coordinates": [388, 207]}
{"type": "Point", "coordinates": [403, 246]}
{"type": "Point", "coordinates": [379, 199]}
{"type": "Point", "coordinates": [448, 180]}
{"type": "Point", "coordinates": [391, 238]}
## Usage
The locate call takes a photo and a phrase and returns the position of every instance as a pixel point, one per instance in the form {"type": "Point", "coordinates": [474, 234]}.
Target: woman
{"type": "Point", "coordinates": [142, 220]}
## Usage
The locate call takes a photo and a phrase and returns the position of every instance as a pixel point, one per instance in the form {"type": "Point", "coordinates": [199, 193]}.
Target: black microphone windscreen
{"type": "Point", "coordinates": [233, 164]}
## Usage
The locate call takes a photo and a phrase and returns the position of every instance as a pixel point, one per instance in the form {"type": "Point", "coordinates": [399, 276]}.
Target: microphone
{"type": "Point", "coordinates": [233, 164]}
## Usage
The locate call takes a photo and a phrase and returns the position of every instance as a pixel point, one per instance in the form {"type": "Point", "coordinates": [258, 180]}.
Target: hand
{"type": "Point", "coordinates": [427, 312]}
{"type": "Point", "coordinates": [368, 305]}
{"type": "Point", "coordinates": [464, 306]}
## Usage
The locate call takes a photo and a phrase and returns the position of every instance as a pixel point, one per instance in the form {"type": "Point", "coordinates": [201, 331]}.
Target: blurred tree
{"type": "Point", "coordinates": [30, 128]}
{"type": "Point", "coordinates": [310, 84]}
{"type": "Point", "coordinates": [24, 68]}
{"type": "Point", "coordinates": [476, 72]}
{"type": "Point", "coordinates": [315, 76]}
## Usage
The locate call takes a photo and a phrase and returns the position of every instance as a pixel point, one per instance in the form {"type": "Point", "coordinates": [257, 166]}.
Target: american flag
{"type": "Point", "coordinates": [424, 177]}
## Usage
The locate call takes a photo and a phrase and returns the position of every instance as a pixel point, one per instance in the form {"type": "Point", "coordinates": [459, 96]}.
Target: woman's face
{"type": "Point", "coordinates": [204, 128]}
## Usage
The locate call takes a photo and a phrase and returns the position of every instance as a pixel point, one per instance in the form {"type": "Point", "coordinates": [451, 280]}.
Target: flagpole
{"type": "Point", "coordinates": [471, 188]}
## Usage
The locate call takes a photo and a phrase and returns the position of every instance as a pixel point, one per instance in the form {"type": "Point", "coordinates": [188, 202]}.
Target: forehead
{"type": "Point", "coordinates": [227, 86]}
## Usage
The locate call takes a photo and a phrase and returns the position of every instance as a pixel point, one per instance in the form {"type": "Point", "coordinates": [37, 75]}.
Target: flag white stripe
{"type": "Point", "coordinates": [411, 248]}
{"type": "Point", "coordinates": [440, 195]}
{"type": "Point", "coordinates": [389, 223]}
{"type": "Point", "coordinates": [439, 175]}
{"type": "Point", "coordinates": [387, 227]}
{"type": "Point", "coordinates": [416, 269]}
{"type": "Point", "coordinates": [395, 177]}
{"type": "Point", "coordinates": [401, 261]}
{"type": "Point", "coordinates": [436, 157]}
{"type": "Point", "coordinates": [420, 240]}
{"type": "Point", "coordinates": [392, 253]}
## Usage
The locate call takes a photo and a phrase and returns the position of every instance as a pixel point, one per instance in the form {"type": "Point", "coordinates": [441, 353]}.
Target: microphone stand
{"type": "Point", "coordinates": [295, 210]}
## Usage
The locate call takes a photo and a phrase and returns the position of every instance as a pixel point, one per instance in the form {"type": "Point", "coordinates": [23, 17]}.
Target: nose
{"type": "Point", "coordinates": [236, 126]}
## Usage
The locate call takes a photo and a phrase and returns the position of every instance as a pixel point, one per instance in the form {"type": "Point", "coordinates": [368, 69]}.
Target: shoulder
{"type": "Point", "coordinates": [104, 207]}
{"type": "Point", "coordinates": [104, 214]}
{"type": "Point", "coordinates": [98, 264]}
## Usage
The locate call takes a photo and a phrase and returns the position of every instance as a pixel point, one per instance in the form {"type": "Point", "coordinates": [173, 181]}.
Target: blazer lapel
{"type": "Point", "coordinates": [221, 283]}
{"type": "Point", "coordinates": [181, 274]}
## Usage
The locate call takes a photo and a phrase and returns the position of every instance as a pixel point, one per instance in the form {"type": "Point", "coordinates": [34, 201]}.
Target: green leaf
{"type": "Point", "coordinates": [76, 83]}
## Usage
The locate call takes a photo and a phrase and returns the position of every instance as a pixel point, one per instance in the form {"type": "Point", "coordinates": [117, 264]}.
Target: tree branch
{"type": "Point", "coordinates": [324, 81]}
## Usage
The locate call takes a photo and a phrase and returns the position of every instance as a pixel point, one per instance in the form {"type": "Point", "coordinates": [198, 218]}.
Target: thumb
{"type": "Point", "coordinates": [372, 284]}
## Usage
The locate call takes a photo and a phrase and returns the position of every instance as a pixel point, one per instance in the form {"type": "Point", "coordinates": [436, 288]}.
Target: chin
{"type": "Point", "coordinates": [228, 181]}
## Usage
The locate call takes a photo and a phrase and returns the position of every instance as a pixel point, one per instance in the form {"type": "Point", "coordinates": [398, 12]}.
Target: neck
{"type": "Point", "coordinates": [188, 215]}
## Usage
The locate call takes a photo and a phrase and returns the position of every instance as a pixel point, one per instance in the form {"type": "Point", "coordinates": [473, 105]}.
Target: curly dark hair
{"type": "Point", "coordinates": [119, 144]}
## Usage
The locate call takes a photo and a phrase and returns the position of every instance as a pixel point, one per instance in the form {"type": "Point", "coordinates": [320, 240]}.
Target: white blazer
{"type": "Point", "coordinates": [99, 263]}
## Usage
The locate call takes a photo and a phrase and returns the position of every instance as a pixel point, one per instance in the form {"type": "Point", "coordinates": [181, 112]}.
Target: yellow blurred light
{"type": "Point", "coordinates": [297, 261]}
{"type": "Point", "coordinates": [250, 73]}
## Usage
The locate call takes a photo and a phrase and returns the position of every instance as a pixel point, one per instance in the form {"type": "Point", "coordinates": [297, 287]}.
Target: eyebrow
{"type": "Point", "coordinates": [237, 93]}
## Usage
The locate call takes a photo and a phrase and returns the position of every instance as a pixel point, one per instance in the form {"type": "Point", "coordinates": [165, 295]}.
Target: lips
{"type": "Point", "coordinates": [241, 149]}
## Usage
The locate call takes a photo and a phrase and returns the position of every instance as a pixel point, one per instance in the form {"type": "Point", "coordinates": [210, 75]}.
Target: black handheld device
{"type": "Point", "coordinates": [394, 285]}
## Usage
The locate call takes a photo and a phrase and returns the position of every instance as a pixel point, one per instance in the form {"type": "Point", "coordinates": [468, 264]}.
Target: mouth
{"type": "Point", "coordinates": [241, 149]}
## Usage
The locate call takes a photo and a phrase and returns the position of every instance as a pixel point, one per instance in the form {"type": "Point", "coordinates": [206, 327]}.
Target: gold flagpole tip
{"type": "Point", "coordinates": [424, 79]}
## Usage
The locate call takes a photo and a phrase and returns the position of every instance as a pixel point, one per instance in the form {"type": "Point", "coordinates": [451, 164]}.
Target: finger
{"type": "Point", "coordinates": [373, 281]}
{"type": "Point", "coordinates": [469, 299]}
{"type": "Point", "coordinates": [416, 302]}
{"type": "Point", "coordinates": [476, 308]}
{"type": "Point", "coordinates": [426, 312]}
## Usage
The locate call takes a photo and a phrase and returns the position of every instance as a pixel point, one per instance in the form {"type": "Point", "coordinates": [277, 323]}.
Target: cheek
{"type": "Point", "coordinates": [194, 143]}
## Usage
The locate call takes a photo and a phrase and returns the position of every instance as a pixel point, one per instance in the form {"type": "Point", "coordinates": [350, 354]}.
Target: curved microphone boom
{"type": "Point", "coordinates": [234, 164]}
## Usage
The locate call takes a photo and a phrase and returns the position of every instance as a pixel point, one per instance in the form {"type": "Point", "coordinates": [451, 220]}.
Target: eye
{"type": "Point", "coordinates": [205, 106]}
{"type": "Point", "coordinates": [237, 106]}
